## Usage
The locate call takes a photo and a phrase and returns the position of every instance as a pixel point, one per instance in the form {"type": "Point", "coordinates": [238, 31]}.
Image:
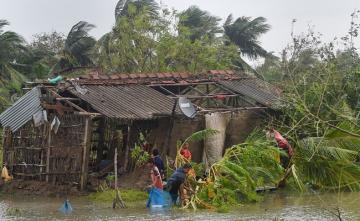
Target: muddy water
{"type": "Point", "coordinates": [279, 206]}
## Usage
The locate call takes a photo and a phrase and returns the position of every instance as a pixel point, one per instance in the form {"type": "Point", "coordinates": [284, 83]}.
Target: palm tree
{"type": "Point", "coordinates": [10, 79]}
{"type": "Point", "coordinates": [9, 42]}
{"type": "Point", "coordinates": [199, 23]}
{"type": "Point", "coordinates": [244, 32]}
{"type": "Point", "coordinates": [77, 48]}
{"type": "Point", "coordinates": [122, 7]}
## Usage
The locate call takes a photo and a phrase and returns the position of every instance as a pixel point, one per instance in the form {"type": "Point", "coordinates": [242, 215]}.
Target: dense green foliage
{"type": "Point", "coordinates": [321, 109]}
{"type": "Point", "coordinates": [10, 78]}
{"type": "Point", "coordinates": [145, 38]}
{"type": "Point", "coordinates": [243, 168]}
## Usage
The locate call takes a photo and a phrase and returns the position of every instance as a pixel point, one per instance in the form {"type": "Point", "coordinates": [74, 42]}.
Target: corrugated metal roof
{"type": "Point", "coordinates": [259, 90]}
{"type": "Point", "coordinates": [127, 102]}
{"type": "Point", "coordinates": [22, 110]}
{"type": "Point", "coordinates": [162, 78]}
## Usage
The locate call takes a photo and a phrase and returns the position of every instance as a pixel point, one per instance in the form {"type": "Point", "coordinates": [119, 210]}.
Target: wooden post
{"type": "Point", "coordinates": [127, 149]}
{"type": "Point", "coordinates": [3, 144]}
{"type": "Point", "coordinates": [115, 168]}
{"type": "Point", "coordinates": [48, 153]}
{"type": "Point", "coordinates": [101, 140]}
{"type": "Point", "coordinates": [171, 126]}
{"type": "Point", "coordinates": [86, 153]}
{"type": "Point", "coordinates": [8, 149]}
{"type": "Point", "coordinates": [118, 201]}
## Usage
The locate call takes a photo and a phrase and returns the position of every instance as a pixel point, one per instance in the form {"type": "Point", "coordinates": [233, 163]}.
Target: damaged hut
{"type": "Point", "coordinates": [60, 133]}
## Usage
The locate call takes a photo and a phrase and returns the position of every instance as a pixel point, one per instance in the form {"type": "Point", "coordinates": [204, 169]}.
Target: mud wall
{"type": "Point", "coordinates": [181, 129]}
{"type": "Point", "coordinates": [238, 128]}
{"type": "Point", "coordinates": [241, 124]}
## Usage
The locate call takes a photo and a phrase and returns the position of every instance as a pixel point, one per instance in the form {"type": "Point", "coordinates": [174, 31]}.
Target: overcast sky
{"type": "Point", "coordinates": [330, 17]}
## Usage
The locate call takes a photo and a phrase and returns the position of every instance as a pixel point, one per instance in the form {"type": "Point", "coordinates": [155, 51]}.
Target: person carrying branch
{"type": "Point", "coordinates": [285, 161]}
{"type": "Point", "coordinates": [176, 180]}
{"type": "Point", "coordinates": [283, 143]}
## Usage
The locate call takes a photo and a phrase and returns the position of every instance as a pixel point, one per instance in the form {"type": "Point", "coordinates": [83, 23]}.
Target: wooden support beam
{"type": "Point", "coordinates": [208, 96]}
{"type": "Point", "coordinates": [167, 91]}
{"type": "Point", "coordinates": [88, 114]}
{"type": "Point", "coordinates": [86, 153]}
{"type": "Point", "coordinates": [67, 101]}
{"type": "Point", "coordinates": [127, 148]}
{"type": "Point", "coordinates": [182, 84]}
{"type": "Point", "coordinates": [48, 152]}
{"type": "Point", "coordinates": [231, 109]}
{"type": "Point", "coordinates": [58, 107]}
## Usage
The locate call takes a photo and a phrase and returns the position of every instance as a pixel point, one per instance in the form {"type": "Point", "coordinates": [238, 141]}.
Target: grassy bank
{"type": "Point", "coordinates": [131, 197]}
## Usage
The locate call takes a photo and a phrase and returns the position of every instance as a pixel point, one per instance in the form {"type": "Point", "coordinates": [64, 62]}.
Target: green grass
{"type": "Point", "coordinates": [128, 195]}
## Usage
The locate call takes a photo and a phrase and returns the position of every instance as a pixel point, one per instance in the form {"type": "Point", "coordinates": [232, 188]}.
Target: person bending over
{"type": "Point", "coordinates": [175, 181]}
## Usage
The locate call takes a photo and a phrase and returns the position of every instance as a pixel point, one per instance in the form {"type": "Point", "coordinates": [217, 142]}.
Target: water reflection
{"type": "Point", "coordinates": [275, 206]}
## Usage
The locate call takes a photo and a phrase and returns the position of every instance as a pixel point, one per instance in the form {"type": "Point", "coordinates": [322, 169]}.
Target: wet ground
{"type": "Point", "coordinates": [276, 206]}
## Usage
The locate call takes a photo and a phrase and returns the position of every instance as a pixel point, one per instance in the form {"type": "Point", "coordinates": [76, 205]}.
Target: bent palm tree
{"type": "Point", "coordinates": [244, 32]}
{"type": "Point", "coordinates": [122, 7]}
{"type": "Point", "coordinates": [199, 23]}
{"type": "Point", "coordinates": [77, 48]}
{"type": "Point", "coordinates": [9, 42]}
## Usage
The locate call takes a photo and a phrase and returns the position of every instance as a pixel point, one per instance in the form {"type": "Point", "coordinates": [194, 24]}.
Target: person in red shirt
{"type": "Point", "coordinates": [155, 175]}
{"type": "Point", "coordinates": [282, 142]}
{"type": "Point", "coordinates": [185, 152]}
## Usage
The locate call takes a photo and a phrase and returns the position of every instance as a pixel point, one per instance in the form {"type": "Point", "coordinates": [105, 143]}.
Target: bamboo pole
{"type": "Point", "coordinates": [48, 153]}
{"type": "Point", "coordinates": [115, 168]}
{"type": "Point", "coordinates": [127, 149]}
{"type": "Point", "coordinates": [86, 150]}
{"type": "Point", "coordinates": [118, 201]}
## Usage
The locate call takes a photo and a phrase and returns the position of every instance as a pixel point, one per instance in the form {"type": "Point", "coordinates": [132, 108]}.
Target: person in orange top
{"type": "Point", "coordinates": [282, 142]}
{"type": "Point", "coordinates": [185, 152]}
{"type": "Point", "coordinates": [155, 175]}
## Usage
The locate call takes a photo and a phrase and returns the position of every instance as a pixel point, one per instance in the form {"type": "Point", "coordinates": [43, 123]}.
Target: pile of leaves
{"type": "Point", "coordinates": [243, 168]}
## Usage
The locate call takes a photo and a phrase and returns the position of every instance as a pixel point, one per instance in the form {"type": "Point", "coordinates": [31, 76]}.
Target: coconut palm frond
{"type": "Point", "coordinates": [119, 8]}
{"type": "Point", "coordinates": [151, 7]}
{"type": "Point", "coordinates": [329, 162]}
{"type": "Point", "coordinates": [244, 32]}
{"type": "Point", "coordinates": [199, 23]}
{"type": "Point", "coordinates": [296, 177]}
{"type": "Point", "coordinates": [200, 135]}
{"type": "Point", "coordinates": [77, 47]}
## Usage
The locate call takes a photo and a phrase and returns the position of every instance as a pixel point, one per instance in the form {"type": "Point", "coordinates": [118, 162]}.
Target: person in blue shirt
{"type": "Point", "coordinates": [159, 162]}
{"type": "Point", "coordinates": [174, 182]}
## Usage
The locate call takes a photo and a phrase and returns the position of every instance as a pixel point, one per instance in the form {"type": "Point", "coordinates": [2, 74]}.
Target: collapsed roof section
{"type": "Point", "coordinates": [144, 96]}
{"type": "Point", "coordinates": [214, 88]}
{"type": "Point", "coordinates": [22, 110]}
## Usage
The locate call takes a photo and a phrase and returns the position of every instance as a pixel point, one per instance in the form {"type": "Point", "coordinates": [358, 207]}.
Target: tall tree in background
{"type": "Point", "coordinates": [41, 55]}
{"type": "Point", "coordinates": [77, 47]}
{"type": "Point", "coordinates": [245, 33]}
{"type": "Point", "coordinates": [147, 39]}
{"type": "Point", "coordinates": [150, 7]}
{"type": "Point", "coordinates": [199, 23]}
{"type": "Point", "coordinates": [129, 47]}
{"type": "Point", "coordinates": [10, 79]}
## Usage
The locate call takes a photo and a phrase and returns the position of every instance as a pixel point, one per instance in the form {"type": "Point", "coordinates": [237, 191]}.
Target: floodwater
{"type": "Point", "coordinates": [276, 206]}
